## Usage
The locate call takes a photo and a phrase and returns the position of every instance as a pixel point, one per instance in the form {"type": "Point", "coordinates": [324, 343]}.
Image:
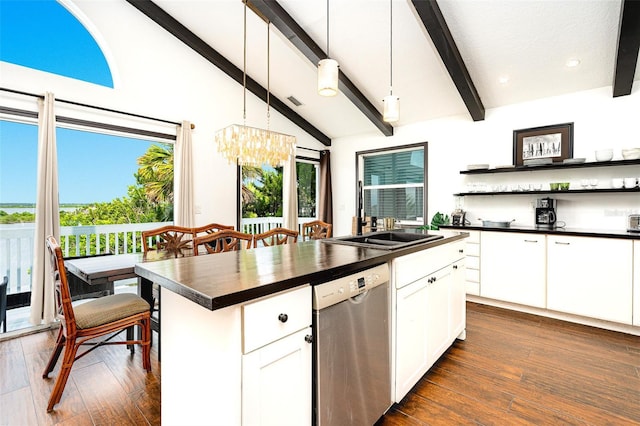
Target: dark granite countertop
{"type": "Point", "coordinates": [578, 232]}
{"type": "Point", "coordinates": [224, 279]}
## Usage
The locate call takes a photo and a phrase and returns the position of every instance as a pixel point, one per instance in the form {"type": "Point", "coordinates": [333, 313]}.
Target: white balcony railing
{"type": "Point", "coordinates": [16, 243]}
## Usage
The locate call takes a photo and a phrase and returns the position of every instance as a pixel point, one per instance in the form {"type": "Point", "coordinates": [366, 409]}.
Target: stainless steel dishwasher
{"type": "Point", "coordinates": [352, 348]}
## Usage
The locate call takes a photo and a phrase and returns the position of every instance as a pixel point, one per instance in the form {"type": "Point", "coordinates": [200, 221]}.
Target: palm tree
{"type": "Point", "coordinates": [155, 173]}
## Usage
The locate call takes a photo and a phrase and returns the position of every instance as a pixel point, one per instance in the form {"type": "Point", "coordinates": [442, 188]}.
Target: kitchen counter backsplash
{"type": "Point", "coordinates": [602, 211]}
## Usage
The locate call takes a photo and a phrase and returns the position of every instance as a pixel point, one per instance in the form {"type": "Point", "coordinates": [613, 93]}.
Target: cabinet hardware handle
{"type": "Point", "coordinates": [283, 317]}
{"type": "Point", "coordinates": [461, 251]}
{"type": "Point", "coordinates": [561, 243]}
{"type": "Point", "coordinates": [308, 338]}
{"type": "Point", "coordinates": [530, 241]}
{"type": "Point", "coordinates": [455, 266]}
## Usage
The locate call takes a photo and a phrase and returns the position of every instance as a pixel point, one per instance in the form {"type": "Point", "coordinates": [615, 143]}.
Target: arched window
{"type": "Point", "coordinates": [44, 35]}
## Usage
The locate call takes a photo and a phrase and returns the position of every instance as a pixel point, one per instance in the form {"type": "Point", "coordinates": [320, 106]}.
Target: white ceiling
{"type": "Point", "coordinates": [527, 41]}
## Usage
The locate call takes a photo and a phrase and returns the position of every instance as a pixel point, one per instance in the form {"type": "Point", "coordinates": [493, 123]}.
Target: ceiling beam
{"type": "Point", "coordinates": [628, 46]}
{"type": "Point", "coordinates": [436, 26]}
{"type": "Point", "coordinates": [182, 33]}
{"type": "Point", "coordinates": [279, 17]}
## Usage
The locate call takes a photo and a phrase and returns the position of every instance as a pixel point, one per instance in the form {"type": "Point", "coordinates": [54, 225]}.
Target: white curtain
{"type": "Point", "coordinates": [47, 214]}
{"type": "Point", "coordinates": [183, 211]}
{"type": "Point", "coordinates": [290, 194]}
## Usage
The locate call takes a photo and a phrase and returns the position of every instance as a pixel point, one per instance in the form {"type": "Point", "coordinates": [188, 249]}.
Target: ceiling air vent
{"type": "Point", "coordinates": [294, 101]}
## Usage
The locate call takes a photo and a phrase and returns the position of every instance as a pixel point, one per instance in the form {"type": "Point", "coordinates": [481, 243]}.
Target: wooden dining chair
{"type": "Point", "coordinates": [316, 230]}
{"type": "Point", "coordinates": [275, 237]}
{"type": "Point", "coordinates": [176, 240]}
{"type": "Point", "coordinates": [104, 317]}
{"type": "Point", "coordinates": [210, 229]}
{"type": "Point", "coordinates": [218, 242]}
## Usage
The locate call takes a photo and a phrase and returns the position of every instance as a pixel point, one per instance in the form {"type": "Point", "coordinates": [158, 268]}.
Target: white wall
{"type": "Point", "coordinates": [600, 121]}
{"type": "Point", "coordinates": [157, 75]}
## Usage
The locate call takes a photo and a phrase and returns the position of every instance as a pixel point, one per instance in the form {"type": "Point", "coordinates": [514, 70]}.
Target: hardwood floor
{"type": "Point", "coordinates": [513, 369]}
{"type": "Point", "coordinates": [107, 386]}
{"type": "Point", "coordinates": [517, 368]}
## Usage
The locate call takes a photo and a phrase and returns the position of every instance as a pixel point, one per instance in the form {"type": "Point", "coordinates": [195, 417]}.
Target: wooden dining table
{"type": "Point", "coordinates": [100, 270]}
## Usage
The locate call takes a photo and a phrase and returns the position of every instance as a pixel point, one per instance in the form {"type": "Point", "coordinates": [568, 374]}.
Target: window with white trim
{"type": "Point", "coordinates": [394, 182]}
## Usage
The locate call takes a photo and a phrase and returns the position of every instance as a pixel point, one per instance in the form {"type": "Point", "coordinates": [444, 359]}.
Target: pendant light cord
{"type": "Point", "coordinates": [391, 47]}
{"type": "Point", "coordinates": [268, 74]}
{"type": "Point", "coordinates": [244, 68]}
{"type": "Point", "coordinates": [327, 29]}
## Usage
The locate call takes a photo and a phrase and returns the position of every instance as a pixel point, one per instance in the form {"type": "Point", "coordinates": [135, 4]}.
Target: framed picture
{"type": "Point", "coordinates": [555, 142]}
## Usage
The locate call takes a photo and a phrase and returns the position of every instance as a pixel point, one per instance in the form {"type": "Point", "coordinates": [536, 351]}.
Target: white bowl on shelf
{"type": "Point", "coordinates": [604, 154]}
{"type": "Point", "coordinates": [631, 153]}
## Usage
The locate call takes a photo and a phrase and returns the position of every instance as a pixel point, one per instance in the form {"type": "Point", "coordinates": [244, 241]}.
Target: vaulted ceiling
{"type": "Point", "coordinates": [453, 57]}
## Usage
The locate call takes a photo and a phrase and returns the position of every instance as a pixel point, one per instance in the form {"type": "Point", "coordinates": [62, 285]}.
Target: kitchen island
{"type": "Point", "coordinates": [215, 340]}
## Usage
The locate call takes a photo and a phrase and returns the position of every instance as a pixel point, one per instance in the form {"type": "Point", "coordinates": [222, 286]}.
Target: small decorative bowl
{"type": "Point", "coordinates": [604, 155]}
{"type": "Point", "coordinates": [559, 186]}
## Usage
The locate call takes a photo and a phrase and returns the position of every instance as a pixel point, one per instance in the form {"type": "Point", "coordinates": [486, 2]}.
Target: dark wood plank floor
{"type": "Point", "coordinates": [513, 369]}
{"type": "Point", "coordinates": [516, 368]}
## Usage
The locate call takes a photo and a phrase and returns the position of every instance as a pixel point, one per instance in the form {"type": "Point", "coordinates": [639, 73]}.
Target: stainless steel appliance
{"type": "Point", "coordinates": [352, 348]}
{"type": "Point", "coordinates": [546, 213]}
{"type": "Point", "coordinates": [457, 217]}
{"type": "Point", "coordinates": [634, 223]}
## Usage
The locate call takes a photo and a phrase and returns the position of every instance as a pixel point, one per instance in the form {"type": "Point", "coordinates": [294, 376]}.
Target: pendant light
{"type": "Point", "coordinates": [391, 111]}
{"type": "Point", "coordinates": [252, 146]}
{"type": "Point", "coordinates": [328, 70]}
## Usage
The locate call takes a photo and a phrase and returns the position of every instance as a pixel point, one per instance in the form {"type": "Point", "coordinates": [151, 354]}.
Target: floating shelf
{"type": "Point", "coordinates": [571, 191]}
{"type": "Point", "coordinates": [553, 167]}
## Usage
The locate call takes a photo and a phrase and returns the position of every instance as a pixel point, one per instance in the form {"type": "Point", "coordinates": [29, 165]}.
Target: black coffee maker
{"type": "Point", "coordinates": [546, 213]}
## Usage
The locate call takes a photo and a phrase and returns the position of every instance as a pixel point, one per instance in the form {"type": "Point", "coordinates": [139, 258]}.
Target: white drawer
{"type": "Point", "coordinates": [262, 322]}
{"type": "Point", "coordinates": [472, 249]}
{"type": "Point", "coordinates": [473, 262]}
{"type": "Point", "coordinates": [472, 275]}
{"type": "Point", "coordinates": [412, 267]}
{"type": "Point", "coordinates": [474, 237]}
{"type": "Point", "coordinates": [473, 288]}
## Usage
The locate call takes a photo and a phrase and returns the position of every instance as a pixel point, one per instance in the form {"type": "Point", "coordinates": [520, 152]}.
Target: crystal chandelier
{"type": "Point", "coordinates": [251, 146]}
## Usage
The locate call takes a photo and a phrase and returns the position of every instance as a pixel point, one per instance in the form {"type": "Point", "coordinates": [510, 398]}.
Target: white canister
{"type": "Point", "coordinates": [630, 182]}
{"type": "Point", "coordinates": [617, 183]}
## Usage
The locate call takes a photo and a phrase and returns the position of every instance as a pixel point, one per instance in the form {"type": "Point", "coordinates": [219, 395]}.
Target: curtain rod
{"type": "Point", "coordinates": [19, 92]}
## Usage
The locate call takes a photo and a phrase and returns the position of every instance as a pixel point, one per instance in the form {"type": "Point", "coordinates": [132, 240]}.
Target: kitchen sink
{"type": "Point", "coordinates": [387, 240]}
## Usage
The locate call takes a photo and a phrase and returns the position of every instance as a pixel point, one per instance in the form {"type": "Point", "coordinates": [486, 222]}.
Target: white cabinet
{"type": "Point", "coordinates": [636, 283]}
{"type": "Point", "coordinates": [276, 382]}
{"type": "Point", "coordinates": [512, 267]}
{"type": "Point", "coordinates": [429, 310]}
{"type": "Point", "coordinates": [472, 264]}
{"type": "Point", "coordinates": [439, 294]}
{"type": "Point", "coordinates": [276, 365]}
{"type": "Point", "coordinates": [458, 311]}
{"type": "Point", "coordinates": [590, 277]}
{"type": "Point", "coordinates": [411, 336]}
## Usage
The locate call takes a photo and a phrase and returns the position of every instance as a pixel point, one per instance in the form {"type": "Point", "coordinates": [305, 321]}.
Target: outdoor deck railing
{"type": "Point", "coordinates": [16, 243]}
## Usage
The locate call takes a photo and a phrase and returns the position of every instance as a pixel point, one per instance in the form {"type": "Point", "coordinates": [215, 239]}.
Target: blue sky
{"type": "Point", "coordinates": [42, 34]}
{"type": "Point", "coordinates": [92, 167]}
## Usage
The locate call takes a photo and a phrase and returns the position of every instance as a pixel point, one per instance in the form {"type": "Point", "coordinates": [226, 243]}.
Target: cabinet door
{"type": "Point", "coordinates": [458, 312]}
{"type": "Point", "coordinates": [512, 267]}
{"type": "Point", "coordinates": [411, 336]}
{"type": "Point", "coordinates": [438, 308]}
{"type": "Point", "coordinates": [590, 277]}
{"type": "Point", "coordinates": [276, 382]}
{"type": "Point", "coordinates": [636, 283]}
